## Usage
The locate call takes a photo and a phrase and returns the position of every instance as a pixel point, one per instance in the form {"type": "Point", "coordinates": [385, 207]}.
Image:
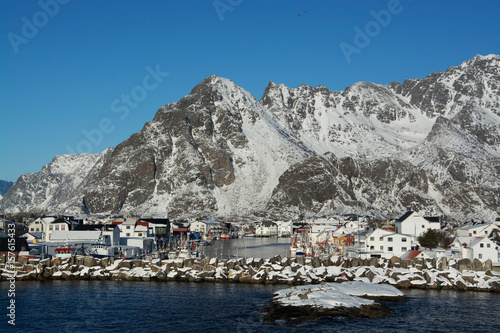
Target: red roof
{"type": "Point", "coordinates": [410, 254]}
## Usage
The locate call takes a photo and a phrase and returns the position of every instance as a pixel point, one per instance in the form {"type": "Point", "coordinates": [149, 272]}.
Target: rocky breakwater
{"type": "Point", "coordinates": [417, 273]}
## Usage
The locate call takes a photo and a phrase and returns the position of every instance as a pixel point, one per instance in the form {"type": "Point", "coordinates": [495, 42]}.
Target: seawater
{"type": "Point", "coordinates": [121, 306]}
{"type": "Point", "coordinates": [247, 247]}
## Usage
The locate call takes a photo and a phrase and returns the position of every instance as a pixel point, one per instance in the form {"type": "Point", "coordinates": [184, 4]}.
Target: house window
{"type": "Point", "coordinates": [372, 238]}
{"type": "Point", "coordinates": [423, 226]}
{"type": "Point", "coordinates": [381, 239]}
{"type": "Point", "coordinates": [381, 248]}
{"type": "Point", "coordinates": [372, 247]}
{"type": "Point", "coordinates": [140, 234]}
{"type": "Point", "coordinates": [128, 227]}
{"type": "Point", "coordinates": [37, 229]}
{"type": "Point", "coordinates": [63, 227]}
{"type": "Point", "coordinates": [404, 249]}
{"type": "Point", "coordinates": [128, 234]}
{"type": "Point", "coordinates": [403, 239]}
{"type": "Point", "coordinates": [51, 227]}
{"type": "Point", "coordinates": [389, 239]}
{"type": "Point", "coordinates": [390, 249]}
{"type": "Point", "coordinates": [480, 256]}
{"type": "Point", "coordinates": [57, 228]}
{"type": "Point", "coordinates": [481, 245]}
{"type": "Point", "coordinates": [475, 232]}
{"type": "Point", "coordinates": [488, 245]}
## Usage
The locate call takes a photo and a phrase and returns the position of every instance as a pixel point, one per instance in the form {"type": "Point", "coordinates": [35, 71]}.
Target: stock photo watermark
{"type": "Point", "coordinates": [373, 28]}
{"type": "Point", "coordinates": [31, 27]}
{"type": "Point", "coordinates": [120, 106]}
{"type": "Point", "coordinates": [11, 259]}
{"type": "Point", "coordinates": [223, 6]}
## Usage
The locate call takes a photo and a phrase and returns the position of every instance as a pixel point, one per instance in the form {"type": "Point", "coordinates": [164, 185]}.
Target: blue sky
{"type": "Point", "coordinates": [67, 66]}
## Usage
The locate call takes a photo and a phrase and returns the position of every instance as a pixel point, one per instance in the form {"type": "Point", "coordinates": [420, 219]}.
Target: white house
{"type": "Point", "coordinates": [475, 229]}
{"type": "Point", "coordinates": [481, 248]}
{"type": "Point", "coordinates": [415, 225]}
{"type": "Point", "coordinates": [284, 228]}
{"type": "Point", "coordinates": [55, 224]}
{"type": "Point", "coordinates": [266, 229]}
{"type": "Point", "coordinates": [204, 226]}
{"type": "Point", "coordinates": [375, 240]}
{"type": "Point", "coordinates": [396, 244]}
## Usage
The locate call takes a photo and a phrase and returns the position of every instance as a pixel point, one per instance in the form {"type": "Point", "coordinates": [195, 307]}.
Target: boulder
{"type": "Point", "coordinates": [487, 265]}
{"type": "Point", "coordinates": [442, 264]}
{"type": "Point", "coordinates": [464, 264]}
{"type": "Point", "coordinates": [395, 262]}
{"type": "Point", "coordinates": [477, 265]}
{"type": "Point", "coordinates": [374, 262]}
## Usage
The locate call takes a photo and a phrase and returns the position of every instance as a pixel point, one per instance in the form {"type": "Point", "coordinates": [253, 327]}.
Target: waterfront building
{"type": "Point", "coordinates": [412, 223]}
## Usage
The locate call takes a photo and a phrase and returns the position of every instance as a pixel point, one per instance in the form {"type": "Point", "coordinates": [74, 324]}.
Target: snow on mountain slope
{"type": "Point", "coordinates": [216, 149]}
{"type": "Point", "coordinates": [430, 144]}
{"type": "Point", "coordinates": [57, 187]}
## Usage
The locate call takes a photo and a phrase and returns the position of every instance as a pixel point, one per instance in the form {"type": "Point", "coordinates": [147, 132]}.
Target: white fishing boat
{"type": "Point", "coordinates": [100, 250]}
{"type": "Point", "coordinates": [65, 252]}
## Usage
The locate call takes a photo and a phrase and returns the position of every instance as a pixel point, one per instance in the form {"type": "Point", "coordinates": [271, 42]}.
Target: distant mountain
{"type": "Point", "coordinates": [4, 187]}
{"type": "Point", "coordinates": [429, 144]}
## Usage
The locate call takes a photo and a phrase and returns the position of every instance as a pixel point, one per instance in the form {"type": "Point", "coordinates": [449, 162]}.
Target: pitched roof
{"type": "Point", "coordinates": [410, 254]}
{"type": "Point", "coordinates": [405, 216]}
{"type": "Point", "coordinates": [75, 235]}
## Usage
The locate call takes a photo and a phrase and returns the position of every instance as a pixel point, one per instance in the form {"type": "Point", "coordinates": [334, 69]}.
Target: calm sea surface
{"type": "Point", "coordinates": [120, 306]}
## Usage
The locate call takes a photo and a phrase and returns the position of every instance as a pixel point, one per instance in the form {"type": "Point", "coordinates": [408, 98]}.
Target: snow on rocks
{"type": "Point", "coordinates": [416, 273]}
{"type": "Point", "coordinates": [352, 299]}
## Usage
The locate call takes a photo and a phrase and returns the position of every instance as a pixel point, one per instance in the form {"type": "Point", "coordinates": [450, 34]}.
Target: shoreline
{"type": "Point", "coordinates": [437, 274]}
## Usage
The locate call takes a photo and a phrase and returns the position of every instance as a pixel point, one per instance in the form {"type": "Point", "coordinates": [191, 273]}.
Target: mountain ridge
{"type": "Point", "coordinates": [431, 144]}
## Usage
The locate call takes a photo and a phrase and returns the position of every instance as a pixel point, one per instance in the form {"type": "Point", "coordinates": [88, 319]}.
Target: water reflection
{"type": "Point", "coordinates": [248, 247]}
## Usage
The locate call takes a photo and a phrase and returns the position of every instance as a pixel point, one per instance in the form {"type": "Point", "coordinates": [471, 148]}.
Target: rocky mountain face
{"type": "Point", "coordinates": [4, 187]}
{"type": "Point", "coordinates": [429, 144]}
{"type": "Point", "coordinates": [58, 187]}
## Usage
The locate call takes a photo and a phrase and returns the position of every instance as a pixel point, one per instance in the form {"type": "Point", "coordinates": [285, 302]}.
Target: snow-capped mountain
{"type": "Point", "coordinates": [57, 187]}
{"type": "Point", "coordinates": [429, 144]}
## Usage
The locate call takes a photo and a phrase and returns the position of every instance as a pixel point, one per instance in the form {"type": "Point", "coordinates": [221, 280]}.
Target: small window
{"type": "Point", "coordinates": [480, 256]}
{"type": "Point", "coordinates": [57, 228]}
{"type": "Point", "coordinates": [51, 227]}
{"type": "Point", "coordinates": [423, 226]}
{"type": "Point", "coordinates": [404, 249]}
{"type": "Point", "coordinates": [488, 245]}
{"type": "Point", "coordinates": [37, 229]}
{"type": "Point", "coordinates": [381, 238]}
{"type": "Point", "coordinates": [475, 232]}
{"type": "Point", "coordinates": [390, 249]}
{"type": "Point", "coordinates": [128, 234]}
{"type": "Point", "coordinates": [389, 239]}
{"type": "Point", "coordinates": [403, 239]}
{"type": "Point", "coordinates": [372, 247]}
{"type": "Point", "coordinates": [372, 238]}
{"type": "Point", "coordinates": [481, 245]}
{"type": "Point", "coordinates": [382, 248]}
{"type": "Point", "coordinates": [63, 227]}
{"type": "Point", "coordinates": [128, 227]}
{"type": "Point", "coordinates": [140, 234]}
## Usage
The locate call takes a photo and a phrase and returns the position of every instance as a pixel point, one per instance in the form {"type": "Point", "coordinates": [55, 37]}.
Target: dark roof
{"type": "Point", "coordinates": [82, 227]}
{"type": "Point", "coordinates": [405, 216]}
{"type": "Point", "coordinates": [268, 224]}
{"type": "Point", "coordinates": [89, 227]}
{"type": "Point", "coordinates": [155, 221]}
